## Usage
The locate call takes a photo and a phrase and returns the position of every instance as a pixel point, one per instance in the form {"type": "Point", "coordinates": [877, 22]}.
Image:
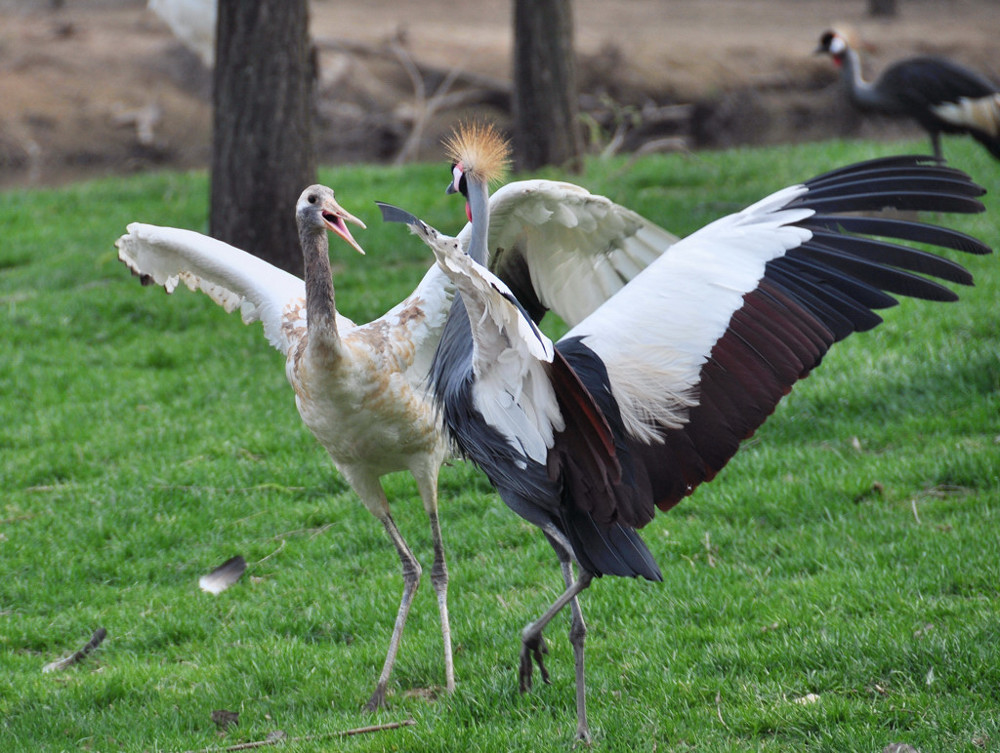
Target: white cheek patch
{"type": "Point", "coordinates": [838, 46]}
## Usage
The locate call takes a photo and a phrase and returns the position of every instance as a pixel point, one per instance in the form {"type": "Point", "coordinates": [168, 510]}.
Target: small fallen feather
{"type": "Point", "coordinates": [76, 656]}
{"type": "Point", "coordinates": [223, 576]}
{"type": "Point", "coordinates": [806, 699]}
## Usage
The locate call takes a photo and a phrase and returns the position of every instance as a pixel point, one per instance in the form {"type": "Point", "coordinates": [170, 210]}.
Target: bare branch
{"type": "Point", "coordinates": [275, 738]}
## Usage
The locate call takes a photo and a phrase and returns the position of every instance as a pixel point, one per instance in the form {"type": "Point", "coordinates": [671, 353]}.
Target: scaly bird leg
{"type": "Point", "coordinates": [439, 579]}
{"type": "Point", "coordinates": [577, 636]}
{"type": "Point", "coordinates": [426, 479]}
{"type": "Point", "coordinates": [533, 647]}
{"type": "Point", "coordinates": [411, 579]}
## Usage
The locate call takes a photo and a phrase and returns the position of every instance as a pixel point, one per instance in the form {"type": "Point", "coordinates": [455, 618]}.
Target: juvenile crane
{"type": "Point", "coordinates": [357, 387]}
{"type": "Point", "coordinates": [361, 388]}
{"type": "Point", "coordinates": [651, 394]}
{"type": "Point", "coordinates": [941, 95]}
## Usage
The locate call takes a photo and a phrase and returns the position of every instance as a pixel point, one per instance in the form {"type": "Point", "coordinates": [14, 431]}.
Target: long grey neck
{"type": "Point", "coordinates": [479, 208]}
{"type": "Point", "coordinates": [861, 92]}
{"type": "Point", "coordinates": [321, 311]}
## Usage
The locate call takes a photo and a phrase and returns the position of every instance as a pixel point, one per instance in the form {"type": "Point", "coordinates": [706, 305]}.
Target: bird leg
{"type": "Point", "coordinates": [439, 579]}
{"type": "Point", "coordinates": [577, 636]}
{"type": "Point", "coordinates": [533, 645]}
{"type": "Point", "coordinates": [426, 479]}
{"type": "Point", "coordinates": [411, 579]}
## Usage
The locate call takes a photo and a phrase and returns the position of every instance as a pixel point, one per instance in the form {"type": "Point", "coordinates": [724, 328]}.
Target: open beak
{"type": "Point", "coordinates": [336, 219]}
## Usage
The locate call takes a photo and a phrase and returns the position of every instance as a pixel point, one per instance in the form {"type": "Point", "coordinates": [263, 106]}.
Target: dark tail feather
{"type": "Point", "coordinates": [613, 549]}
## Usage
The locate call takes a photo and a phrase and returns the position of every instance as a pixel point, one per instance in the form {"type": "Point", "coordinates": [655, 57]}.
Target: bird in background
{"type": "Point", "coordinates": [361, 388]}
{"type": "Point", "coordinates": [939, 94]}
{"type": "Point", "coordinates": [651, 394]}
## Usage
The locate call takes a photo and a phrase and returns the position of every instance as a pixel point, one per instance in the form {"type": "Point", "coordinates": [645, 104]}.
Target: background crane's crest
{"type": "Point", "coordinates": [481, 149]}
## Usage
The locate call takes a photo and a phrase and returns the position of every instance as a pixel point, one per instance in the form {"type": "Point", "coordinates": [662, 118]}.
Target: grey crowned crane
{"type": "Point", "coordinates": [652, 393]}
{"type": "Point", "coordinates": [360, 388]}
{"type": "Point", "coordinates": [939, 94]}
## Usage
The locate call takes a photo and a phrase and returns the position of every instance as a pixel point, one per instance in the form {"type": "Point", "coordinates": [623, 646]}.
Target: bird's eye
{"type": "Point", "coordinates": [312, 198]}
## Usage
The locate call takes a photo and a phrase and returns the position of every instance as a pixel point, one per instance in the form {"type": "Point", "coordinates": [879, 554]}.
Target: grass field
{"type": "Point", "coordinates": [836, 588]}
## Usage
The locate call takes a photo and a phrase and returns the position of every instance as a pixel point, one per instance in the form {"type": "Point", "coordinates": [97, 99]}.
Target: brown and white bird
{"type": "Point", "coordinates": [652, 393]}
{"type": "Point", "coordinates": [361, 388]}
{"type": "Point", "coordinates": [939, 94]}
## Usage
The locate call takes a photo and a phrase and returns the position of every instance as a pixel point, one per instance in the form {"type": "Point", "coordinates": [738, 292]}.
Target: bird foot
{"type": "Point", "coordinates": [532, 650]}
{"type": "Point", "coordinates": [377, 701]}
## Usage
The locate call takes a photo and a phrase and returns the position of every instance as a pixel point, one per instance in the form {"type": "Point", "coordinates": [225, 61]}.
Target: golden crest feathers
{"type": "Point", "coordinates": [482, 150]}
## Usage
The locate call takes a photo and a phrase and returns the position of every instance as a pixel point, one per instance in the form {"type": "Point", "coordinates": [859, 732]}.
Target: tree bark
{"type": "Point", "coordinates": [262, 140]}
{"type": "Point", "coordinates": [546, 123]}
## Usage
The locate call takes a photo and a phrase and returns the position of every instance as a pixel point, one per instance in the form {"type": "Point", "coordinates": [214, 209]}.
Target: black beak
{"type": "Point", "coordinates": [451, 188]}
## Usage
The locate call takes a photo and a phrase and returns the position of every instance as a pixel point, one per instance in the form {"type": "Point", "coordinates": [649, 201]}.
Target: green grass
{"type": "Point", "coordinates": [850, 550]}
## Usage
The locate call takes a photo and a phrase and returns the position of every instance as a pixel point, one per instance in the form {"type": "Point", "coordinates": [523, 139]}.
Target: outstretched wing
{"type": "Point", "coordinates": [414, 325]}
{"type": "Point", "coordinates": [560, 247]}
{"type": "Point", "coordinates": [708, 339]}
{"type": "Point", "coordinates": [232, 278]}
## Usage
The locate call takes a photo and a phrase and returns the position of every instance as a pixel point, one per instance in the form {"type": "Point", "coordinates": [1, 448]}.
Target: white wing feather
{"type": "Point", "coordinates": [687, 297]}
{"type": "Point", "coordinates": [230, 277]}
{"type": "Point", "coordinates": [512, 389]}
{"type": "Point", "coordinates": [580, 248]}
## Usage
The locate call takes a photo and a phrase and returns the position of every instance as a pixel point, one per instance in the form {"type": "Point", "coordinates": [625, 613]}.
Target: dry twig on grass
{"type": "Point", "coordinates": [280, 737]}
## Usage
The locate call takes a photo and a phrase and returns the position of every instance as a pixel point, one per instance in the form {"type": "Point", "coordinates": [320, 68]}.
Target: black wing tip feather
{"type": "Point", "coordinates": [908, 230]}
{"type": "Point", "coordinates": [850, 266]}
{"type": "Point", "coordinates": [896, 162]}
{"type": "Point", "coordinates": [918, 182]}
{"type": "Point", "coordinates": [391, 213]}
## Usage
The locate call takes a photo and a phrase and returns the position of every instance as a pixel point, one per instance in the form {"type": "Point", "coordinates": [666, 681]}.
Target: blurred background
{"type": "Point", "coordinates": [97, 87]}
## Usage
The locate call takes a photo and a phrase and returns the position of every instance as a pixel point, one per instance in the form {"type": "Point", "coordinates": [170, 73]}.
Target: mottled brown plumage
{"type": "Point", "coordinates": [359, 388]}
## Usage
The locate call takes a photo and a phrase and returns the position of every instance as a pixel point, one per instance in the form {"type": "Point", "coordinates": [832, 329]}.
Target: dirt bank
{"type": "Point", "coordinates": [102, 86]}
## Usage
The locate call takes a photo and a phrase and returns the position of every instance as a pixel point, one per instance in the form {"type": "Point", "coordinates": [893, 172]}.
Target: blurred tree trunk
{"type": "Point", "coordinates": [262, 139]}
{"type": "Point", "coordinates": [546, 109]}
{"type": "Point", "coordinates": [883, 8]}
